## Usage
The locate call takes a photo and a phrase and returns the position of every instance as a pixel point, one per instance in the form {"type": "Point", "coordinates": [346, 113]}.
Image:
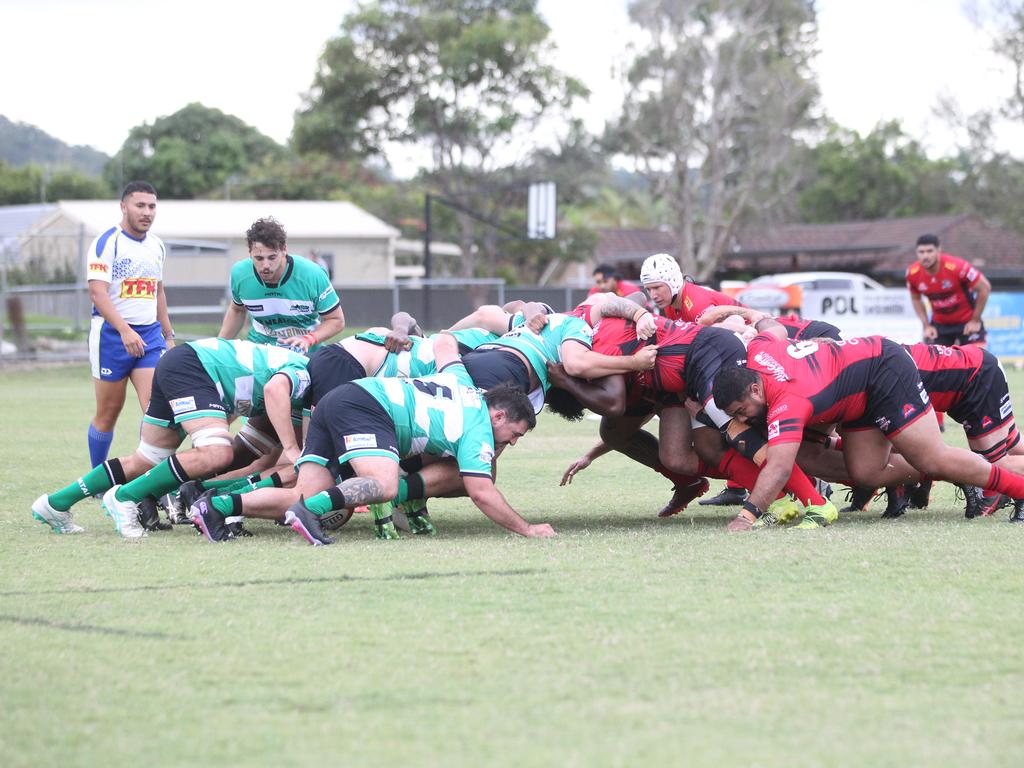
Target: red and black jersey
{"type": "Point", "coordinates": [615, 336]}
{"type": "Point", "coordinates": [947, 372]}
{"type": "Point", "coordinates": [950, 290]}
{"type": "Point", "coordinates": [807, 382]}
{"type": "Point", "coordinates": [696, 300]}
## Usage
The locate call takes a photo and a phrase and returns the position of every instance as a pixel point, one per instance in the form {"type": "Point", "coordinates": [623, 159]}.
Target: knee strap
{"type": "Point", "coordinates": [208, 436]}
{"type": "Point", "coordinates": [154, 454]}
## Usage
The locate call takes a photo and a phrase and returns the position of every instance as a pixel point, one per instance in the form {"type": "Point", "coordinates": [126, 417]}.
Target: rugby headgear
{"type": "Point", "coordinates": [662, 268]}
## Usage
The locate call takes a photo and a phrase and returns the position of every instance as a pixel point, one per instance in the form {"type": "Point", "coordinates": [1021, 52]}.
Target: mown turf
{"type": "Point", "coordinates": [624, 641]}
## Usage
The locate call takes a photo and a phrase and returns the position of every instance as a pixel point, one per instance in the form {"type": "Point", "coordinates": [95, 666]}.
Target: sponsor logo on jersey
{"type": "Point", "coordinates": [99, 266]}
{"type": "Point", "coordinates": [922, 393]}
{"type": "Point", "coordinates": [946, 284]}
{"type": "Point", "coordinates": [183, 404]}
{"type": "Point", "coordinates": [773, 430]}
{"type": "Point", "coordinates": [254, 307]}
{"type": "Point", "coordinates": [1005, 407]}
{"type": "Point", "coordinates": [774, 367]}
{"type": "Point", "coordinates": [106, 371]}
{"type": "Point", "coordinates": [138, 288]}
{"type": "Point", "coordinates": [325, 294]}
{"type": "Point", "coordinates": [922, 287]}
{"type": "Point", "coordinates": [243, 407]}
{"type": "Point", "coordinates": [883, 423]}
{"type": "Point", "coordinates": [354, 442]}
{"type": "Point", "coordinates": [908, 410]}
{"type": "Point", "coordinates": [986, 422]}
{"type": "Point", "coordinates": [301, 306]}
{"type": "Point", "coordinates": [486, 453]}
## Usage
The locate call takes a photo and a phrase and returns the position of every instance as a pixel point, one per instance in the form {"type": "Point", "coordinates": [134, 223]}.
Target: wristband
{"type": "Point", "coordinates": [169, 334]}
{"type": "Point", "coordinates": [310, 339]}
{"type": "Point", "coordinates": [639, 313]}
{"type": "Point", "coordinates": [747, 506]}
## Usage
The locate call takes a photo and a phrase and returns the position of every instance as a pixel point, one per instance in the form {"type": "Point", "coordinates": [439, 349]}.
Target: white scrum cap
{"type": "Point", "coordinates": [662, 268]}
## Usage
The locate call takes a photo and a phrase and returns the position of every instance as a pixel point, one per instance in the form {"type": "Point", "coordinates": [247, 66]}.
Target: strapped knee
{"type": "Point", "coordinates": [259, 443]}
{"type": "Point", "coordinates": [154, 454]}
{"type": "Point", "coordinates": [208, 436]}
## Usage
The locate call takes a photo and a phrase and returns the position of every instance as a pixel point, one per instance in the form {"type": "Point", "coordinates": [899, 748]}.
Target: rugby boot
{"type": "Point", "coordinates": [859, 497]}
{"type": "Point", "coordinates": [822, 487]}
{"type": "Point", "coordinates": [897, 501]}
{"type": "Point", "coordinates": [973, 500]}
{"type": "Point", "coordinates": [920, 494]}
{"type": "Point", "coordinates": [683, 495]}
{"type": "Point", "coordinates": [59, 522]}
{"type": "Point", "coordinates": [125, 515]}
{"type": "Point", "coordinates": [777, 513]}
{"type": "Point", "coordinates": [384, 522]}
{"type": "Point", "coordinates": [208, 520]}
{"type": "Point", "coordinates": [235, 527]}
{"type": "Point", "coordinates": [819, 515]}
{"type": "Point", "coordinates": [1017, 513]}
{"type": "Point", "coordinates": [306, 523]}
{"type": "Point", "coordinates": [992, 502]}
{"type": "Point", "coordinates": [419, 519]}
{"type": "Point", "coordinates": [149, 516]}
{"type": "Point", "coordinates": [727, 498]}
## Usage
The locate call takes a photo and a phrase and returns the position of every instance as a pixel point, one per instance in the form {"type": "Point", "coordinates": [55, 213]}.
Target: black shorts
{"type": "Point", "coordinates": [711, 349]}
{"type": "Point", "coordinates": [330, 367]}
{"type": "Point", "coordinates": [896, 397]}
{"type": "Point", "coordinates": [985, 405]}
{"type": "Point", "coordinates": [819, 329]}
{"type": "Point", "coordinates": [348, 423]}
{"type": "Point", "coordinates": [491, 367]}
{"type": "Point", "coordinates": [954, 336]}
{"type": "Point", "coordinates": [182, 390]}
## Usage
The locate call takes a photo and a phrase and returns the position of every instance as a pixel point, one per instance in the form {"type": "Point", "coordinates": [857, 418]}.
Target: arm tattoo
{"type": "Point", "coordinates": [362, 490]}
{"type": "Point", "coordinates": [619, 307]}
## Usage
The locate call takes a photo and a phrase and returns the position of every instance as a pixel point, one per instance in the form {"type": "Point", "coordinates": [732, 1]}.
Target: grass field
{"type": "Point", "coordinates": [624, 641]}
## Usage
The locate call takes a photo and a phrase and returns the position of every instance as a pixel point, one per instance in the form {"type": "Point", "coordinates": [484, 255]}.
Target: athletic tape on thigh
{"type": "Point", "coordinates": [258, 442]}
{"type": "Point", "coordinates": [154, 454]}
{"type": "Point", "coordinates": [208, 436]}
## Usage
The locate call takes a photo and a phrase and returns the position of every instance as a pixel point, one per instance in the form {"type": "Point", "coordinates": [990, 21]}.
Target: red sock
{"type": "Point", "coordinates": [734, 485]}
{"type": "Point", "coordinates": [677, 479]}
{"type": "Point", "coordinates": [739, 469]}
{"type": "Point", "coordinates": [1007, 482]}
{"type": "Point", "coordinates": [801, 486]}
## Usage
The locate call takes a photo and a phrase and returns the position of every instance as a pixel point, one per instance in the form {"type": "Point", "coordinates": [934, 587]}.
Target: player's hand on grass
{"type": "Point", "coordinates": [540, 531]}
{"type": "Point", "coordinates": [133, 343]}
{"type": "Point", "coordinates": [644, 359]}
{"type": "Point", "coordinates": [577, 466]}
{"type": "Point", "coordinates": [646, 326]}
{"type": "Point", "coordinates": [397, 341]}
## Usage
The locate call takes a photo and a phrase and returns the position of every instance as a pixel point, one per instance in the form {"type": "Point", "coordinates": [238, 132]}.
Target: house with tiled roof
{"type": "Point", "coordinates": [881, 248]}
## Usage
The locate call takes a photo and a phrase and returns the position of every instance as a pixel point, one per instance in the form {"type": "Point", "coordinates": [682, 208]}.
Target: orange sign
{"type": "Point", "coordinates": [138, 288]}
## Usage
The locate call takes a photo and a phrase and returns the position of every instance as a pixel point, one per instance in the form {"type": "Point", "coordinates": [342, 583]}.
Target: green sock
{"type": "Point", "coordinates": [266, 482]}
{"type": "Point", "coordinates": [94, 482]}
{"type": "Point", "coordinates": [225, 486]}
{"type": "Point", "coordinates": [222, 504]}
{"type": "Point", "coordinates": [158, 481]}
{"type": "Point", "coordinates": [320, 504]}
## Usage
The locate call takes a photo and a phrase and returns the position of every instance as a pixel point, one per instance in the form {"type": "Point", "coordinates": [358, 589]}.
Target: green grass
{"type": "Point", "coordinates": [624, 641]}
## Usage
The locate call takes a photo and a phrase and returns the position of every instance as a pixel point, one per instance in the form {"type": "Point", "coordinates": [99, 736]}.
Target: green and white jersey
{"type": "Point", "coordinates": [443, 415]}
{"type": "Point", "coordinates": [290, 308]}
{"type": "Point", "coordinates": [240, 370]}
{"type": "Point", "coordinates": [419, 359]}
{"type": "Point", "coordinates": [541, 348]}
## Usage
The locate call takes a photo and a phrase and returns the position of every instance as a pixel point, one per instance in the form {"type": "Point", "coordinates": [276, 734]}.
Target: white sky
{"type": "Point", "coordinates": [87, 71]}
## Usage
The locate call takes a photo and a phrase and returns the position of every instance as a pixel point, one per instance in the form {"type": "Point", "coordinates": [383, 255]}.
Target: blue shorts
{"type": "Point", "coordinates": [108, 357]}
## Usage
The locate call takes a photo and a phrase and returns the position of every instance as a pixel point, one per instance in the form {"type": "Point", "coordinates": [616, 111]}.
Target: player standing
{"type": "Point", "coordinates": [130, 326]}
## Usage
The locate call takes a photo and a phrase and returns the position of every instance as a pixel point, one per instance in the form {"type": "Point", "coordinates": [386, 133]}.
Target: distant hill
{"type": "Point", "coordinates": [22, 144]}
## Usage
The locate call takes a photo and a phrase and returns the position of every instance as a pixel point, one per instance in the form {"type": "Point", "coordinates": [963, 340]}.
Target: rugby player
{"type": "Point", "coordinates": [371, 424]}
{"type": "Point", "coordinates": [289, 300]}
{"type": "Point", "coordinates": [130, 326]}
{"type": "Point", "coordinates": [872, 387]}
{"type": "Point", "coordinates": [195, 387]}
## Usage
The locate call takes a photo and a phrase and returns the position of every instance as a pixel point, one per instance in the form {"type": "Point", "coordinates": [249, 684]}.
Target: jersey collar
{"type": "Point", "coordinates": [284, 278]}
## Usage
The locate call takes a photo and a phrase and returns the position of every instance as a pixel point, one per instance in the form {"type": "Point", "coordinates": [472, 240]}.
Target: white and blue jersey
{"type": "Point", "coordinates": [133, 270]}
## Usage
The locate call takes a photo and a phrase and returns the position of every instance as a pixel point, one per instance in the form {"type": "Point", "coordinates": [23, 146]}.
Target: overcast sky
{"type": "Point", "coordinates": [87, 71]}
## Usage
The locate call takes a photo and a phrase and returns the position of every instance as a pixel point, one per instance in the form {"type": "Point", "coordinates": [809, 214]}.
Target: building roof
{"type": "Point", "coordinates": [620, 245]}
{"type": "Point", "coordinates": [220, 219]}
{"type": "Point", "coordinates": [16, 220]}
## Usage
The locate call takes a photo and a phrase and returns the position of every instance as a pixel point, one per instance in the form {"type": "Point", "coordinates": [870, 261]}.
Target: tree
{"type": "Point", "coordinates": [34, 184]}
{"type": "Point", "coordinates": [882, 175]}
{"type": "Point", "coordinates": [717, 93]}
{"type": "Point", "coordinates": [464, 79]}
{"type": "Point", "coordinates": [190, 153]}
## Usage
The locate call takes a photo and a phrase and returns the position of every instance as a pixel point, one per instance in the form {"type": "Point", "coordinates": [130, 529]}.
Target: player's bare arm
{"type": "Point", "coordinates": [277, 397]}
{"type": "Point", "coordinates": [490, 317]}
{"type": "Point", "coordinates": [588, 364]}
{"type": "Point", "coordinates": [163, 316]}
{"type": "Point", "coordinates": [983, 289]}
{"type": "Point", "coordinates": [492, 503]}
{"type": "Point", "coordinates": [584, 461]}
{"type": "Point", "coordinates": [777, 468]}
{"type": "Point", "coordinates": [627, 310]}
{"type": "Point", "coordinates": [715, 315]}
{"type": "Point", "coordinates": [234, 319]}
{"type": "Point", "coordinates": [605, 396]}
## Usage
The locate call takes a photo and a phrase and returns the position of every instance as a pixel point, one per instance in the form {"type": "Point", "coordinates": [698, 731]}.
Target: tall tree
{"type": "Point", "coordinates": [884, 174]}
{"type": "Point", "coordinates": [718, 91]}
{"type": "Point", "coordinates": [465, 79]}
{"type": "Point", "coordinates": [190, 153]}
